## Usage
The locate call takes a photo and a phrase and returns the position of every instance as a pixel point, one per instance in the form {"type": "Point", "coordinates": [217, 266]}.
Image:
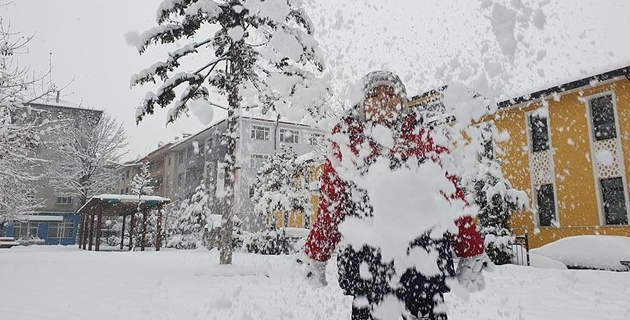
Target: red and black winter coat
{"type": "Point", "coordinates": [335, 204]}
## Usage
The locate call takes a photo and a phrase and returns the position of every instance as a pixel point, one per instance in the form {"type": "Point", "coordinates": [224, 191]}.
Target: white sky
{"type": "Point", "coordinates": [411, 37]}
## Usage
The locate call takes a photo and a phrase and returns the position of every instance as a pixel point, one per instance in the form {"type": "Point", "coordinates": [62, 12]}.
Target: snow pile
{"type": "Point", "coordinates": [190, 284]}
{"type": "Point", "coordinates": [539, 261]}
{"type": "Point", "coordinates": [591, 252]}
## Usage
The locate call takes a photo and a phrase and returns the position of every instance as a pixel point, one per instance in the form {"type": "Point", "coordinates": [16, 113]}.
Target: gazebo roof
{"type": "Point", "coordinates": [122, 205]}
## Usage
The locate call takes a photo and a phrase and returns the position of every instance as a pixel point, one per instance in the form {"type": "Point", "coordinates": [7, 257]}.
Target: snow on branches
{"type": "Point", "coordinates": [493, 194]}
{"type": "Point", "coordinates": [88, 156]}
{"type": "Point", "coordinates": [142, 184]}
{"type": "Point", "coordinates": [270, 40]}
{"type": "Point", "coordinates": [193, 219]}
{"type": "Point", "coordinates": [279, 187]}
{"type": "Point", "coordinates": [260, 55]}
{"type": "Point", "coordinates": [21, 127]}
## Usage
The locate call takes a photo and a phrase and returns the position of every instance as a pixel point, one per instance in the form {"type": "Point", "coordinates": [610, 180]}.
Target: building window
{"type": "Point", "coordinates": [180, 179]}
{"type": "Point", "coordinates": [128, 174]}
{"type": "Point", "coordinates": [256, 160]}
{"type": "Point", "coordinates": [202, 147]}
{"type": "Point", "coordinates": [127, 190]}
{"type": "Point", "coordinates": [315, 139]}
{"type": "Point", "coordinates": [546, 205]}
{"type": "Point", "coordinates": [122, 191]}
{"type": "Point", "coordinates": [289, 136]}
{"type": "Point", "coordinates": [539, 133]}
{"type": "Point", "coordinates": [190, 152]}
{"type": "Point", "coordinates": [603, 117]}
{"type": "Point", "coordinates": [64, 200]}
{"type": "Point", "coordinates": [191, 175]}
{"type": "Point", "coordinates": [63, 229]}
{"type": "Point", "coordinates": [487, 143]}
{"type": "Point", "coordinates": [25, 230]}
{"type": "Point", "coordinates": [180, 157]}
{"type": "Point", "coordinates": [168, 160]}
{"type": "Point", "coordinates": [209, 143]}
{"type": "Point", "coordinates": [614, 201]}
{"type": "Point", "coordinates": [252, 190]}
{"type": "Point", "coordinates": [488, 149]}
{"type": "Point", "coordinates": [260, 133]}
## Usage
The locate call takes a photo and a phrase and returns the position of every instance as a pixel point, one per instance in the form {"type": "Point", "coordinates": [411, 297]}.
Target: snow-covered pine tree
{"type": "Point", "coordinates": [193, 219]}
{"type": "Point", "coordinates": [497, 200]}
{"type": "Point", "coordinates": [278, 189]}
{"type": "Point", "coordinates": [257, 54]}
{"type": "Point", "coordinates": [142, 184]}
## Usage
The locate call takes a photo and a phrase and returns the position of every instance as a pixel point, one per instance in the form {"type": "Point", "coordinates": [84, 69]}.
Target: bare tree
{"type": "Point", "coordinates": [88, 158]}
{"type": "Point", "coordinates": [20, 126]}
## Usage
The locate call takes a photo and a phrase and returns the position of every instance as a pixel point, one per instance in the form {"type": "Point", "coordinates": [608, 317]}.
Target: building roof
{"type": "Point", "coordinates": [61, 104]}
{"type": "Point", "coordinates": [592, 80]}
{"type": "Point", "coordinates": [436, 94]}
{"type": "Point", "coordinates": [120, 204]}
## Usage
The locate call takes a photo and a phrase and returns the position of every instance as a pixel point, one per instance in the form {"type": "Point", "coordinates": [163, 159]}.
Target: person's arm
{"type": "Point", "coordinates": [325, 235]}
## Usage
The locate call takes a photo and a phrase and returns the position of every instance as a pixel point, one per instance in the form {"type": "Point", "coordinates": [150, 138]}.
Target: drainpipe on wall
{"type": "Point", "coordinates": [275, 136]}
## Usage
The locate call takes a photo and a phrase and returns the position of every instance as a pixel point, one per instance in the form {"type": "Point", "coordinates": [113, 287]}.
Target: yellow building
{"type": "Point", "coordinates": [569, 149]}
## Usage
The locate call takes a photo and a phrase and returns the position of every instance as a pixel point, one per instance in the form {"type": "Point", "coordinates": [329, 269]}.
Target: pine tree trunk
{"type": "Point", "coordinates": [227, 223]}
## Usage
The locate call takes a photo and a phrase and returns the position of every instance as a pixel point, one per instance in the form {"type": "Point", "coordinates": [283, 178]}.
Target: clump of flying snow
{"type": "Point", "coordinates": [203, 110]}
{"type": "Point", "coordinates": [407, 202]}
{"type": "Point", "coordinates": [236, 33]}
{"type": "Point", "coordinates": [132, 38]}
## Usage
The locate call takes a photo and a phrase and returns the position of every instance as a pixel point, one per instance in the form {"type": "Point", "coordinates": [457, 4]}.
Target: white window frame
{"type": "Point", "coordinates": [591, 135]}
{"type": "Point", "coordinates": [530, 154]}
{"type": "Point", "coordinates": [265, 129]}
{"type": "Point", "coordinates": [312, 141]}
{"type": "Point", "coordinates": [295, 135]}
{"type": "Point", "coordinates": [261, 156]}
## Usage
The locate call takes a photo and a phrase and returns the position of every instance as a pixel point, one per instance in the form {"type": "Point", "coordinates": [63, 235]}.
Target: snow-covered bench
{"type": "Point", "coordinates": [8, 242]}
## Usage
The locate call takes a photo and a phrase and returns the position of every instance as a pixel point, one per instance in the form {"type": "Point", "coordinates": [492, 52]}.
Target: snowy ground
{"type": "Point", "coordinates": [65, 283]}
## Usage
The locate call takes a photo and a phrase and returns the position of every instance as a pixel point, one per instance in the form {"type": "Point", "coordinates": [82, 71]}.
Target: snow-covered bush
{"type": "Point", "coordinates": [268, 242]}
{"type": "Point", "coordinates": [491, 192]}
{"type": "Point", "coordinates": [279, 189]}
{"type": "Point", "coordinates": [193, 220]}
{"type": "Point", "coordinates": [497, 200]}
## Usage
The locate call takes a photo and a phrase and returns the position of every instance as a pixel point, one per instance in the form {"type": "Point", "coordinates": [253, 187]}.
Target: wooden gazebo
{"type": "Point", "coordinates": [118, 205]}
